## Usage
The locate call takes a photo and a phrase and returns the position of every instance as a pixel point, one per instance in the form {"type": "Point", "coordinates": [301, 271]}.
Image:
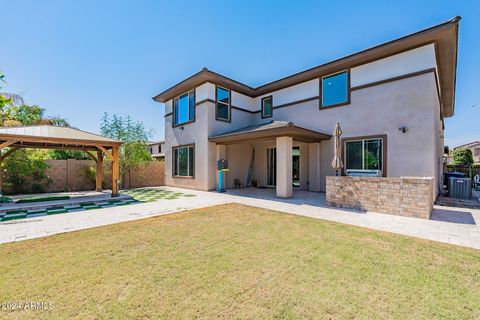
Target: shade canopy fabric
{"type": "Point", "coordinates": [47, 136]}
{"type": "Point", "coordinates": [337, 163]}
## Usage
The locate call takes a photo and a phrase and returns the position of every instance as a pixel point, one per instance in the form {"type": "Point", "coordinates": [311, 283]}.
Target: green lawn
{"type": "Point", "coordinates": [234, 261]}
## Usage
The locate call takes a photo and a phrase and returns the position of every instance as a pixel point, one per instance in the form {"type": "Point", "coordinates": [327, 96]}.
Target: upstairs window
{"type": "Point", "coordinates": [364, 154]}
{"type": "Point", "coordinates": [335, 89]}
{"type": "Point", "coordinates": [222, 106]}
{"type": "Point", "coordinates": [184, 108]}
{"type": "Point", "coordinates": [267, 107]}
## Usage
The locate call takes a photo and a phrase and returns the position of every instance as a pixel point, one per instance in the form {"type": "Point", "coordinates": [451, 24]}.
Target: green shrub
{"type": "Point", "coordinates": [462, 157]}
{"type": "Point", "coordinates": [21, 167]}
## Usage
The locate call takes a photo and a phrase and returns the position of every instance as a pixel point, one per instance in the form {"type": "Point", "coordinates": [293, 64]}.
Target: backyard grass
{"type": "Point", "coordinates": [234, 261]}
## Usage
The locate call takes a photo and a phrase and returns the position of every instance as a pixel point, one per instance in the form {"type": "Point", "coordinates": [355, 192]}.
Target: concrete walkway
{"type": "Point", "coordinates": [457, 226]}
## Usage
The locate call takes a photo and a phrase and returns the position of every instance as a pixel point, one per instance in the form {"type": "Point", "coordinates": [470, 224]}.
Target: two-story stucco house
{"type": "Point", "coordinates": [390, 100]}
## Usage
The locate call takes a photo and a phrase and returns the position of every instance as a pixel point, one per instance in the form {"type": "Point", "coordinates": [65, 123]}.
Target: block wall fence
{"type": "Point", "coordinates": [73, 175]}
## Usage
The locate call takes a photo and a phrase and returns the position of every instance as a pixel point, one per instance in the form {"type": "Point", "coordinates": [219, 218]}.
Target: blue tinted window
{"type": "Point", "coordinates": [267, 107]}
{"type": "Point", "coordinates": [335, 89]}
{"type": "Point", "coordinates": [223, 95]}
{"type": "Point", "coordinates": [184, 108]}
{"type": "Point", "coordinates": [223, 104]}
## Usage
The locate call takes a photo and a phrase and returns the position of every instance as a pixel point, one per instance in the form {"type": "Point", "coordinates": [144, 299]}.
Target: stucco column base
{"type": "Point", "coordinates": [284, 167]}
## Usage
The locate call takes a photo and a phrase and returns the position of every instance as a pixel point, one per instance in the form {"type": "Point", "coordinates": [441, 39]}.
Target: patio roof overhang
{"type": "Point", "coordinates": [53, 137]}
{"type": "Point", "coordinates": [269, 131]}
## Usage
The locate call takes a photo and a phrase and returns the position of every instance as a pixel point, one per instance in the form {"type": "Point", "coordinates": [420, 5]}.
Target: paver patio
{"type": "Point", "coordinates": [457, 226]}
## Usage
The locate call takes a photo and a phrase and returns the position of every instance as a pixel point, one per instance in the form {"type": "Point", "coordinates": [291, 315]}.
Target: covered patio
{"type": "Point", "coordinates": [52, 137]}
{"type": "Point", "coordinates": [272, 154]}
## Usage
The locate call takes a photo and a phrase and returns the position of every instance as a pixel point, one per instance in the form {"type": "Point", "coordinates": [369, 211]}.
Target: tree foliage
{"type": "Point", "coordinates": [67, 154]}
{"type": "Point", "coordinates": [133, 151]}
{"type": "Point", "coordinates": [462, 157]}
{"type": "Point", "coordinates": [24, 169]}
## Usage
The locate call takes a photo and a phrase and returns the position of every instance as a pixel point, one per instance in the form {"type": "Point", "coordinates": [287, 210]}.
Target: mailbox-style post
{"type": "Point", "coordinates": [222, 166]}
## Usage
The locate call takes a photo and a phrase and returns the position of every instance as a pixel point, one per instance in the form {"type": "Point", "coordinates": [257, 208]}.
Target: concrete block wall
{"type": "Point", "coordinates": [71, 175]}
{"type": "Point", "coordinates": [404, 196]}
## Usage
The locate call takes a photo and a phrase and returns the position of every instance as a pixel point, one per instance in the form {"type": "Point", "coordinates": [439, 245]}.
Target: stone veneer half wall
{"type": "Point", "coordinates": [404, 196]}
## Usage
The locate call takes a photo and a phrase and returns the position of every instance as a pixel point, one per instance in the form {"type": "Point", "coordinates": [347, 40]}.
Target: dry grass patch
{"type": "Point", "coordinates": [234, 261]}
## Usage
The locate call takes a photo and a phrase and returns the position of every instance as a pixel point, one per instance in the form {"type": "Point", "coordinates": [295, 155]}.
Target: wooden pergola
{"type": "Point", "coordinates": [52, 137]}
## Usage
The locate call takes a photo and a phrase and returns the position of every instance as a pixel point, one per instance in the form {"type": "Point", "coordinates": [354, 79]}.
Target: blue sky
{"type": "Point", "coordinates": [79, 59]}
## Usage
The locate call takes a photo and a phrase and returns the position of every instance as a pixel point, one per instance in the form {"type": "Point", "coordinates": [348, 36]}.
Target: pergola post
{"type": "Point", "coordinates": [115, 171]}
{"type": "Point", "coordinates": [99, 173]}
{"type": "Point", "coordinates": [1, 176]}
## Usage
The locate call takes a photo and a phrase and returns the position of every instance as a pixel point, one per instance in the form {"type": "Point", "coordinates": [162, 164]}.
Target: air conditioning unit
{"type": "Point", "coordinates": [460, 188]}
{"type": "Point", "coordinates": [364, 173]}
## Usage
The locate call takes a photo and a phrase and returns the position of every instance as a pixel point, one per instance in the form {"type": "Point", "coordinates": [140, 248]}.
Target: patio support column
{"type": "Point", "coordinates": [99, 176]}
{"type": "Point", "coordinates": [314, 167]}
{"type": "Point", "coordinates": [221, 154]}
{"type": "Point", "coordinates": [284, 167]}
{"type": "Point", "coordinates": [115, 171]}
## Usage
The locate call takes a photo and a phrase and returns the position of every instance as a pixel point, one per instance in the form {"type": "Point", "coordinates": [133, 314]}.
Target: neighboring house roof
{"type": "Point", "coordinates": [53, 135]}
{"type": "Point", "coordinates": [445, 37]}
{"type": "Point", "coordinates": [467, 145]}
{"type": "Point", "coordinates": [268, 130]}
{"type": "Point", "coordinates": [151, 143]}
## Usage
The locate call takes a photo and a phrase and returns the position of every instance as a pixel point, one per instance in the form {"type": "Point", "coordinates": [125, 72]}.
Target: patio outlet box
{"type": "Point", "coordinates": [460, 188]}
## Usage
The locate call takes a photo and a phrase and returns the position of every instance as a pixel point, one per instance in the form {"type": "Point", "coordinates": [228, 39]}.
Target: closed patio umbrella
{"type": "Point", "coordinates": [337, 151]}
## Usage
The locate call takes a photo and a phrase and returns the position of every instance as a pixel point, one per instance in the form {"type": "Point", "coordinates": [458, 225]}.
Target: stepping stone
{"type": "Point", "coordinates": [87, 204]}
{"type": "Point", "coordinates": [121, 204]}
{"type": "Point", "coordinates": [39, 214]}
{"type": "Point", "coordinates": [56, 211]}
{"type": "Point", "coordinates": [107, 205]}
{"type": "Point", "coordinates": [91, 207]}
{"type": "Point", "coordinates": [14, 216]}
{"type": "Point", "coordinates": [15, 211]}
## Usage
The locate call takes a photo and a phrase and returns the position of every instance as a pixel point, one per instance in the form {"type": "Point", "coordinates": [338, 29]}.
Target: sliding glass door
{"type": "Point", "coordinates": [271, 167]}
{"type": "Point", "coordinates": [272, 171]}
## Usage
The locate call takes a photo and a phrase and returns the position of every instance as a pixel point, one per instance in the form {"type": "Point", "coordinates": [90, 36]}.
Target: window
{"type": "Point", "coordinates": [183, 161]}
{"type": "Point", "coordinates": [184, 108]}
{"type": "Point", "coordinates": [267, 107]}
{"type": "Point", "coordinates": [222, 108]}
{"type": "Point", "coordinates": [335, 89]}
{"type": "Point", "coordinates": [364, 154]}
{"type": "Point", "coordinates": [476, 152]}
